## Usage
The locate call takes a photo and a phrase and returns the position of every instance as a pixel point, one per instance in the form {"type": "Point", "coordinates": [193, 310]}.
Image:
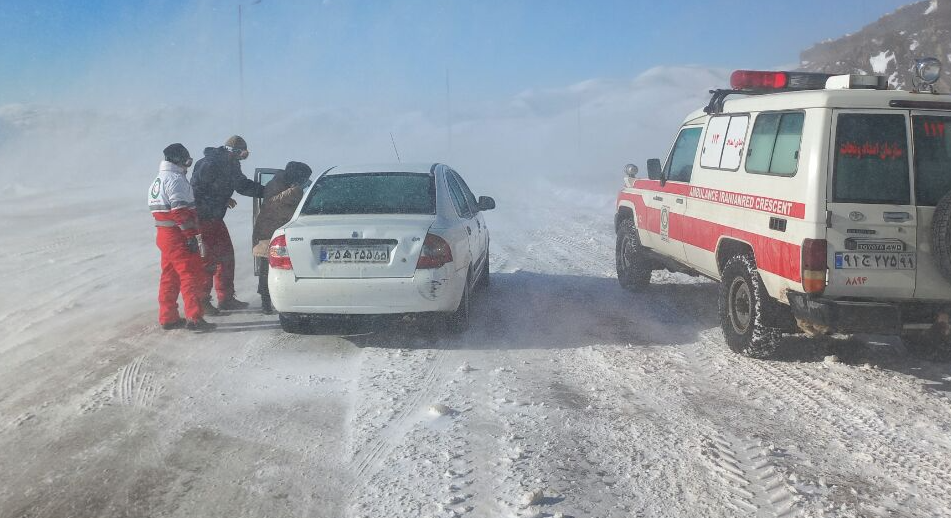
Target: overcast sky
{"type": "Point", "coordinates": [395, 53]}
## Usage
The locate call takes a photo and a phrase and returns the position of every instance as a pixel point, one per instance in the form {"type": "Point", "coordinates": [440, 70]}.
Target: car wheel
{"type": "Point", "coordinates": [633, 266]}
{"type": "Point", "coordinates": [292, 323]}
{"type": "Point", "coordinates": [484, 277]}
{"type": "Point", "coordinates": [458, 320]}
{"type": "Point", "coordinates": [745, 307]}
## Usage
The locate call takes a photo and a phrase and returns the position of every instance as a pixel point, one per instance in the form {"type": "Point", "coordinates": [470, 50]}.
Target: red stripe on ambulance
{"type": "Point", "coordinates": [772, 255]}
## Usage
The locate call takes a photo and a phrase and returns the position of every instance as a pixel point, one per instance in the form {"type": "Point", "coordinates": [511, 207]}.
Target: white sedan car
{"type": "Point", "coordinates": [384, 239]}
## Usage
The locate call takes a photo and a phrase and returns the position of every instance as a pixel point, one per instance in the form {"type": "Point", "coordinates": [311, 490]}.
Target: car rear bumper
{"type": "Point", "coordinates": [437, 290]}
{"type": "Point", "coordinates": [858, 316]}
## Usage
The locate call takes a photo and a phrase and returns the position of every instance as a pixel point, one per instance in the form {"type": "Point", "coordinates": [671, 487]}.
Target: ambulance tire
{"type": "Point", "coordinates": [633, 265]}
{"type": "Point", "coordinates": [941, 236]}
{"type": "Point", "coordinates": [927, 345]}
{"type": "Point", "coordinates": [744, 307]}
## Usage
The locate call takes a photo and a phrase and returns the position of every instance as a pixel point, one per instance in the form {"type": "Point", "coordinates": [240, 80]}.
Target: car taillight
{"type": "Point", "coordinates": [814, 265]}
{"type": "Point", "coordinates": [435, 254]}
{"type": "Point", "coordinates": [277, 254]}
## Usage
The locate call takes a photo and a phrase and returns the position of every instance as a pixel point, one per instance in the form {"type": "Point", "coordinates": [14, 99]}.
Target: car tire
{"type": "Point", "coordinates": [744, 307]}
{"type": "Point", "coordinates": [941, 236]}
{"type": "Point", "coordinates": [292, 323]}
{"type": "Point", "coordinates": [633, 265]}
{"type": "Point", "coordinates": [458, 321]}
{"type": "Point", "coordinates": [484, 277]}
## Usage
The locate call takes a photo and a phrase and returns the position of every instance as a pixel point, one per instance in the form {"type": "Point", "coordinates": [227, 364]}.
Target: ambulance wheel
{"type": "Point", "coordinates": [633, 265]}
{"type": "Point", "coordinates": [927, 345]}
{"type": "Point", "coordinates": [941, 236]}
{"type": "Point", "coordinates": [292, 323]}
{"type": "Point", "coordinates": [744, 306]}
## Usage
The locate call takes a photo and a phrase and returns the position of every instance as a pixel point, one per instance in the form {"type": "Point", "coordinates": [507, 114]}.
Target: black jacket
{"type": "Point", "coordinates": [215, 179]}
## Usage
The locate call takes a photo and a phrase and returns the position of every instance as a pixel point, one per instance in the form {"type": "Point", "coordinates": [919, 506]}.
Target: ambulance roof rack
{"type": "Point", "coordinates": [757, 82]}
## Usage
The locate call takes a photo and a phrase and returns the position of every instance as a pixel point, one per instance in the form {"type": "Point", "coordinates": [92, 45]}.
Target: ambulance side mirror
{"type": "Point", "coordinates": [654, 171]}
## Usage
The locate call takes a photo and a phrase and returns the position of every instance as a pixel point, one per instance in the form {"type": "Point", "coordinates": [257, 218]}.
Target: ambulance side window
{"type": "Point", "coordinates": [774, 144]}
{"type": "Point", "coordinates": [680, 164]}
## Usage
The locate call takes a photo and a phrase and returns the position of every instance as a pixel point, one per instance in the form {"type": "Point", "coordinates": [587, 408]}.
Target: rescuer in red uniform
{"type": "Point", "coordinates": [215, 179]}
{"type": "Point", "coordinates": [173, 206]}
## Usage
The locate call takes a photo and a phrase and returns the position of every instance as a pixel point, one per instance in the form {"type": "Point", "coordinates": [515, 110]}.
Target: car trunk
{"type": "Point", "coordinates": [356, 246]}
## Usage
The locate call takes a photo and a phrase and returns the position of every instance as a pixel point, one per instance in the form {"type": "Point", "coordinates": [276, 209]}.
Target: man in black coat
{"type": "Point", "coordinates": [215, 179]}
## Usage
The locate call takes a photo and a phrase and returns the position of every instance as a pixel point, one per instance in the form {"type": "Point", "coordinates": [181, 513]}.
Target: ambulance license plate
{"type": "Point", "coordinates": [355, 254]}
{"type": "Point", "coordinates": [884, 261]}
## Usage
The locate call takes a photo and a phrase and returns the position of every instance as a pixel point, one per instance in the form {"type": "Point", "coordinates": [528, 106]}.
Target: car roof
{"type": "Point", "coordinates": [419, 167]}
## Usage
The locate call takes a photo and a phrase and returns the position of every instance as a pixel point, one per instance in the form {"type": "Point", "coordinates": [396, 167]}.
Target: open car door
{"type": "Point", "coordinates": [262, 175]}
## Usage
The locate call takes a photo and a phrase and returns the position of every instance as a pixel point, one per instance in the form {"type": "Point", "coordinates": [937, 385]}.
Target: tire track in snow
{"type": "Point", "coordinates": [372, 455]}
{"type": "Point", "coordinates": [756, 486]}
{"type": "Point", "coordinates": [859, 428]}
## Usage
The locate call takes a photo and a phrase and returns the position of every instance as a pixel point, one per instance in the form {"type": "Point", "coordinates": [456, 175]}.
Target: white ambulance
{"type": "Point", "coordinates": [821, 203]}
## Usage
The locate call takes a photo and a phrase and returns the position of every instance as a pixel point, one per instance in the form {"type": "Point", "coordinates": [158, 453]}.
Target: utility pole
{"type": "Point", "coordinates": [241, 66]}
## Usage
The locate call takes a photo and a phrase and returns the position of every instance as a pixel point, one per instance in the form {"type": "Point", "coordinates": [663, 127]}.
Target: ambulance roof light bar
{"type": "Point", "coordinates": [760, 81]}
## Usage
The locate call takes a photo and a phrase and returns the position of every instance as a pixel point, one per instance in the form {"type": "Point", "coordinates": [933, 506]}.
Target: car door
{"type": "Point", "coordinates": [873, 225]}
{"type": "Point", "coordinates": [262, 175]}
{"type": "Point", "coordinates": [482, 234]}
{"type": "Point", "coordinates": [931, 135]}
{"type": "Point", "coordinates": [466, 220]}
{"type": "Point", "coordinates": [671, 199]}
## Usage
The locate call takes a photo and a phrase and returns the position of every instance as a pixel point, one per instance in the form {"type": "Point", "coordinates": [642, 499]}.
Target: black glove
{"type": "Point", "coordinates": [192, 244]}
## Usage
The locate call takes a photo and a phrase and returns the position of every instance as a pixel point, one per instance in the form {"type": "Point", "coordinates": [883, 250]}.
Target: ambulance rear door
{"type": "Point", "coordinates": [873, 223]}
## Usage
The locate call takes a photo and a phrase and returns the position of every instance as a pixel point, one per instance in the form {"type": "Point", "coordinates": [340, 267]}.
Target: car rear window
{"type": "Point", "coordinates": [932, 159]}
{"type": "Point", "coordinates": [871, 159]}
{"type": "Point", "coordinates": [372, 193]}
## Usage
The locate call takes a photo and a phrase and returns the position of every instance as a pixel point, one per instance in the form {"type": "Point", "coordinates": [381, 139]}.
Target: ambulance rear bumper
{"type": "Point", "coordinates": [863, 316]}
{"type": "Point", "coordinates": [840, 316]}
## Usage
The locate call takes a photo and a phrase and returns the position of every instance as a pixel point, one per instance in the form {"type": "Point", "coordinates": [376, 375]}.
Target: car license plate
{"type": "Point", "coordinates": [884, 261]}
{"type": "Point", "coordinates": [355, 254]}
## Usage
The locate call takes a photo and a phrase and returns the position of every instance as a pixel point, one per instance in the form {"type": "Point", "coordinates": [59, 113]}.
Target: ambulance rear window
{"type": "Point", "coordinates": [871, 159]}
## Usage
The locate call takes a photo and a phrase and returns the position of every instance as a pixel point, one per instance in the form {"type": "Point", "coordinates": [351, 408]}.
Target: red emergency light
{"type": "Point", "coordinates": [758, 80]}
{"type": "Point", "coordinates": [765, 81]}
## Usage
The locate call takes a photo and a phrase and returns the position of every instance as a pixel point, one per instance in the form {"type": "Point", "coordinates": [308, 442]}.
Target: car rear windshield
{"type": "Point", "coordinates": [932, 159]}
{"type": "Point", "coordinates": [372, 193]}
{"type": "Point", "coordinates": [871, 159]}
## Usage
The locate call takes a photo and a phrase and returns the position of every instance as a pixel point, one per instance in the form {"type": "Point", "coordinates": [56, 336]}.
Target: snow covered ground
{"type": "Point", "coordinates": [569, 396]}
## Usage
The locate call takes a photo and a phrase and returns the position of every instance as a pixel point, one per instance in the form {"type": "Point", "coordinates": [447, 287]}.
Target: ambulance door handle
{"type": "Point", "coordinates": [896, 217]}
{"type": "Point", "coordinates": [658, 198]}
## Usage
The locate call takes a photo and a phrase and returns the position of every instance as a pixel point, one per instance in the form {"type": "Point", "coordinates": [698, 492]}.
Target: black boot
{"type": "Point", "coordinates": [266, 306]}
{"type": "Point", "coordinates": [200, 325]}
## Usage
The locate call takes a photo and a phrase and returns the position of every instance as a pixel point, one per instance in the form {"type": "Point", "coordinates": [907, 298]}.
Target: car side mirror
{"type": "Point", "coordinates": [654, 171]}
{"type": "Point", "coordinates": [486, 203]}
{"type": "Point", "coordinates": [630, 171]}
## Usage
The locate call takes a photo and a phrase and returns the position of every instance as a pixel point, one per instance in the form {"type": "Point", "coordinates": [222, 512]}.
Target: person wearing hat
{"type": "Point", "coordinates": [216, 178]}
{"type": "Point", "coordinates": [173, 207]}
{"type": "Point", "coordinates": [281, 196]}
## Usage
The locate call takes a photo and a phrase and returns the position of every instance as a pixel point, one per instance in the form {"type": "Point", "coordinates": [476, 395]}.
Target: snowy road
{"type": "Point", "coordinates": [569, 397]}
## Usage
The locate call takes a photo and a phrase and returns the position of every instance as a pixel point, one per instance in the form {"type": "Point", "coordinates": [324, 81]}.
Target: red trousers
{"type": "Point", "coordinates": [219, 260]}
{"type": "Point", "coordinates": [182, 272]}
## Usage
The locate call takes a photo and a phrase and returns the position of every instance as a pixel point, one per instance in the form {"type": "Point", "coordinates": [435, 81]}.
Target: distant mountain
{"type": "Point", "coordinates": [890, 46]}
